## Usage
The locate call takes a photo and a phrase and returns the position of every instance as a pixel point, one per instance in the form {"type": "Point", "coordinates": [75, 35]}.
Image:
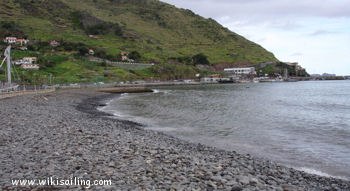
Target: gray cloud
{"type": "Point", "coordinates": [279, 14]}
{"type": "Point", "coordinates": [262, 9]}
{"type": "Point", "coordinates": [298, 23]}
{"type": "Point", "coordinates": [321, 32]}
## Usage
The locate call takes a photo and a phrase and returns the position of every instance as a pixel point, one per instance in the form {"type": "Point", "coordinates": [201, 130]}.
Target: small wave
{"type": "Point", "coordinates": [124, 94]}
{"type": "Point", "coordinates": [319, 173]}
{"type": "Point", "coordinates": [157, 91]}
{"type": "Point", "coordinates": [118, 114]}
{"type": "Point", "coordinates": [313, 171]}
{"type": "Point", "coordinates": [163, 129]}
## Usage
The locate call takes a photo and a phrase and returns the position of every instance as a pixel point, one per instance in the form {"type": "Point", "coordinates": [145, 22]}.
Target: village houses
{"type": "Point", "coordinates": [240, 71]}
{"type": "Point", "coordinates": [10, 40]}
{"type": "Point", "coordinates": [28, 63]}
{"type": "Point", "coordinates": [15, 40]}
{"type": "Point", "coordinates": [124, 56]}
{"type": "Point", "coordinates": [91, 52]}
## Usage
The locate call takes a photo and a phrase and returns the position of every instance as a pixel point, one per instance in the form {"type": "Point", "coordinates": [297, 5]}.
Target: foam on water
{"type": "Point", "coordinates": [319, 173]}
{"type": "Point", "coordinates": [157, 91]}
{"type": "Point", "coordinates": [313, 171]}
{"type": "Point", "coordinates": [283, 122]}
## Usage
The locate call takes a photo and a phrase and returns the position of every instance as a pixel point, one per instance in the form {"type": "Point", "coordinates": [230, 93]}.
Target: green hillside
{"type": "Point", "coordinates": [158, 32]}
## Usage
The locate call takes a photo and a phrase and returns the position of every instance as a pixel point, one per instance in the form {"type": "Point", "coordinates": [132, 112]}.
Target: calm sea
{"type": "Point", "coordinates": [305, 125]}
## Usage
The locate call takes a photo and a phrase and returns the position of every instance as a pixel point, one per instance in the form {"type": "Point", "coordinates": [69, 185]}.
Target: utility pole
{"type": "Point", "coordinates": [7, 54]}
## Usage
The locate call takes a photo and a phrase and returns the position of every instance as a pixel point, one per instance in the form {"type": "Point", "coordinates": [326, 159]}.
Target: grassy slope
{"type": "Point", "coordinates": [160, 31]}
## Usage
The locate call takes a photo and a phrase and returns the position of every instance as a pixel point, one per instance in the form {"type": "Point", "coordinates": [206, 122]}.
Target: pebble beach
{"type": "Point", "coordinates": [63, 135]}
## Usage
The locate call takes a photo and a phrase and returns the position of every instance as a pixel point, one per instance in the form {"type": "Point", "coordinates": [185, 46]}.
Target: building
{"type": "Point", "coordinates": [30, 59]}
{"type": "Point", "coordinates": [20, 62]}
{"type": "Point", "coordinates": [30, 66]}
{"type": "Point", "coordinates": [240, 71]}
{"type": "Point", "coordinates": [22, 41]}
{"type": "Point", "coordinates": [210, 79]}
{"type": "Point", "coordinates": [124, 56]}
{"type": "Point", "coordinates": [26, 61]}
{"type": "Point", "coordinates": [10, 40]}
{"type": "Point", "coordinates": [15, 40]}
{"type": "Point", "coordinates": [54, 43]}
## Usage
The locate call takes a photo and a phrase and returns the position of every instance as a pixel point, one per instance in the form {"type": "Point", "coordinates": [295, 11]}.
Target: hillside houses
{"type": "Point", "coordinates": [10, 40]}
{"type": "Point", "coordinates": [240, 71]}
{"type": "Point", "coordinates": [54, 43]}
{"type": "Point", "coordinates": [91, 52]}
{"type": "Point", "coordinates": [124, 56]}
{"type": "Point", "coordinates": [30, 66]}
{"type": "Point", "coordinates": [27, 63]}
{"type": "Point", "coordinates": [15, 40]}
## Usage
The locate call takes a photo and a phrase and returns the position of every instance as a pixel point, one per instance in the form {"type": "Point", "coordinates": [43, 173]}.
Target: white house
{"type": "Point", "coordinates": [210, 79]}
{"type": "Point", "coordinates": [124, 56]}
{"type": "Point", "coordinates": [30, 59]}
{"type": "Point", "coordinates": [22, 41]}
{"type": "Point", "coordinates": [240, 71]}
{"type": "Point", "coordinates": [10, 40]}
{"type": "Point", "coordinates": [20, 62]}
{"type": "Point", "coordinates": [91, 52]}
{"type": "Point", "coordinates": [15, 40]}
{"type": "Point", "coordinates": [30, 66]}
{"type": "Point", "coordinates": [54, 43]}
{"type": "Point", "coordinates": [26, 61]}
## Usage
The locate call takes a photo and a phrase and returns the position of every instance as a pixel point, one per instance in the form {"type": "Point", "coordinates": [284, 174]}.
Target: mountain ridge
{"type": "Point", "coordinates": [160, 32]}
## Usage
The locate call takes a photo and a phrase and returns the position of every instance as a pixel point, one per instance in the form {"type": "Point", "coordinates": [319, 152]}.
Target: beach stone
{"type": "Point", "coordinates": [66, 136]}
{"type": "Point", "coordinates": [253, 181]}
{"type": "Point", "coordinates": [243, 180]}
{"type": "Point", "coordinates": [287, 187]}
{"type": "Point", "coordinates": [211, 185]}
{"type": "Point", "coordinates": [236, 188]}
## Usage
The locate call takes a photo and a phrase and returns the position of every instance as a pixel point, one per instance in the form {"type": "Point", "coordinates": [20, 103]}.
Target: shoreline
{"type": "Point", "coordinates": [103, 102]}
{"type": "Point", "coordinates": [65, 135]}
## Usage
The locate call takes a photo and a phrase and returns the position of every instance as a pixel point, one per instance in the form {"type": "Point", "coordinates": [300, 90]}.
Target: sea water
{"type": "Point", "coordinates": [305, 125]}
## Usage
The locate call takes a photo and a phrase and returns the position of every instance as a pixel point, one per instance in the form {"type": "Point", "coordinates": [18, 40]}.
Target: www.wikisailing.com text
{"type": "Point", "coordinates": [51, 181]}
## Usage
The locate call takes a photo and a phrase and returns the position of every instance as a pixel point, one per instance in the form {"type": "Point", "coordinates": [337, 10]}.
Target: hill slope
{"type": "Point", "coordinates": [158, 31]}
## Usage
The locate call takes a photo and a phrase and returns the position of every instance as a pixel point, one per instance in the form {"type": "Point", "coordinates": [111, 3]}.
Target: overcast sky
{"type": "Point", "coordinates": [314, 33]}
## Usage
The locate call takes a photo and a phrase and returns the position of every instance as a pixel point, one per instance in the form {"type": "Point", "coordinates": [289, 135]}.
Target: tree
{"type": "Point", "coordinates": [99, 29]}
{"type": "Point", "coordinates": [135, 55]}
{"type": "Point", "coordinates": [101, 53]}
{"type": "Point", "coordinates": [83, 50]}
{"type": "Point", "coordinates": [200, 59]}
{"type": "Point", "coordinates": [118, 30]}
